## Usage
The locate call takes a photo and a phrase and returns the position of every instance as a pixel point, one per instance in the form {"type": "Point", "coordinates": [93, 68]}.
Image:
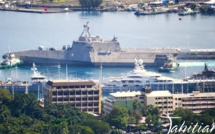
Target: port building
{"type": "Point", "coordinates": [168, 102]}
{"type": "Point", "coordinates": [162, 99]}
{"type": "Point", "coordinates": [196, 101]}
{"type": "Point", "coordinates": [85, 95]}
{"type": "Point", "coordinates": [122, 99]}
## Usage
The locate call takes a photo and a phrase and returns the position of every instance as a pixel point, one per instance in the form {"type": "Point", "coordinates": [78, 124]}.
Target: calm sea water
{"type": "Point", "coordinates": [21, 31]}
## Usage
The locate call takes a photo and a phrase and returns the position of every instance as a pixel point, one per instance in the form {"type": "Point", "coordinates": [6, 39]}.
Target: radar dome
{"type": "Point", "coordinates": [41, 47]}
{"type": "Point", "coordinates": [12, 55]}
{"type": "Point", "coordinates": [140, 61]}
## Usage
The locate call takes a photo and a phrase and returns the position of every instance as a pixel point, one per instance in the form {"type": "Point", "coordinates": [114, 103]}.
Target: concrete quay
{"type": "Point", "coordinates": [38, 10]}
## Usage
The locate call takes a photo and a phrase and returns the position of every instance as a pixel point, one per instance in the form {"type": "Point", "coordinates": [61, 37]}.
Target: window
{"type": "Point", "coordinates": [96, 92]}
{"type": "Point", "coordinates": [89, 86]}
{"type": "Point", "coordinates": [84, 92]}
{"type": "Point", "coordinates": [66, 93]}
{"type": "Point", "coordinates": [72, 93]}
{"type": "Point", "coordinates": [54, 93]}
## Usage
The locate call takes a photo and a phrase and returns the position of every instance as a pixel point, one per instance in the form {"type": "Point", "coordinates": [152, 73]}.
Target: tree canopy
{"type": "Point", "coordinates": [117, 117]}
{"type": "Point", "coordinates": [90, 3]}
{"type": "Point", "coordinates": [22, 114]}
{"type": "Point", "coordinates": [205, 118]}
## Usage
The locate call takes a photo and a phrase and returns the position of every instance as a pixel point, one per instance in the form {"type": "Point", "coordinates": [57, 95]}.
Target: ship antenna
{"type": "Point", "coordinates": [26, 87]}
{"type": "Point", "coordinates": [86, 29]}
{"type": "Point", "coordinates": [9, 49]}
{"type": "Point", "coordinates": [58, 71]}
{"type": "Point", "coordinates": [13, 89]}
{"type": "Point", "coordinates": [16, 73]}
{"type": "Point", "coordinates": [206, 67]}
{"type": "Point", "coordinates": [66, 73]}
{"type": "Point", "coordinates": [101, 72]}
{"type": "Point", "coordinates": [38, 93]}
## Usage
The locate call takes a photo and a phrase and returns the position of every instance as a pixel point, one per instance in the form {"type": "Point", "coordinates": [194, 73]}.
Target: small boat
{"type": "Point", "coordinates": [205, 74]}
{"type": "Point", "coordinates": [150, 11]}
{"type": "Point", "coordinates": [10, 61]}
{"type": "Point", "coordinates": [187, 11]}
{"type": "Point", "coordinates": [169, 66]}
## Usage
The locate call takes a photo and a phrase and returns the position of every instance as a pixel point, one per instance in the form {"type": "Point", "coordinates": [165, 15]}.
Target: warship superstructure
{"type": "Point", "coordinates": [92, 51]}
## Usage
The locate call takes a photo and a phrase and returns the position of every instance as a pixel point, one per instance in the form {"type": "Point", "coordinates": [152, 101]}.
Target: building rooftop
{"type": "Point", "coordinates": [159, 94]}
{"type": "Point", "coordinates": [126, 94]}
{"type": "Point", "coordinates": [195, 94]}
{"type": "Point", "coordinates": [167, 93]}
{"type": "Point", "coordinates": [71, 83]}
{"type": "Point", "coordinates": [210, 2]}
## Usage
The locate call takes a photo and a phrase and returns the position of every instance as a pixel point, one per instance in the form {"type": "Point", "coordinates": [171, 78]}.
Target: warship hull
{"type": "Point", "coordinates": [93, 51]}
{"type": "Point", "coordinates": [72, 57]}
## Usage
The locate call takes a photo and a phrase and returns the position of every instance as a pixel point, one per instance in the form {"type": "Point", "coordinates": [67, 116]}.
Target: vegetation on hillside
{"type": "Point", "coordinates": [22, 114]}
{"type": "Point", "coordinates": [206, 117]}
{"type": "Point", "coordinates": [90, 3]}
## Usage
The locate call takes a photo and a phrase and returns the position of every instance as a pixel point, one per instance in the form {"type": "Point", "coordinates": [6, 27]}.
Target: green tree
{"type": "Point", "coordinates": [117, 117]}
{"type": "Point", "coordinates": [5, 114]}
{"type": "Point", "coordinates": [24, 115]}
{"type": "Point", "coordinates": [153, 110]}
{"type": "Point", "coordinates": [136, 105]}
{"type": "Point", "coordinates": [21, 104]}
{"type": "Point", "coordinates": [207, 116]}
{"type": "Point", "coordinates": [119, 112]}
{"type": "Point", "coordinates": [75, 129]}
{"type": "Point", "coordinates": [131, 120]}
{"type": "Point", "coordinates": [114, 131]}
{"type": "Point", "coordinates": [193, 6]}
{"type": "Point", "coordinates": [144, 110]}
{"type": "Point", "coordinates": [5, 96]}
{"type": "Point", "coordinates": [185, 115]}
{"type": "Point", "coordinates": [141, 4]}
{"type": "Point", "coordinates": [63, 128]}
{"type": "Point", "coordinates": [142, 127]}
{"type": "Point", "coordinates": [90, 3]}
{"type": "Point", "coordinates": [119, 122]}
{"type": "Point", "coordinates": [137, 116]}
{"type": "Point", "coordinates": [97, 126]}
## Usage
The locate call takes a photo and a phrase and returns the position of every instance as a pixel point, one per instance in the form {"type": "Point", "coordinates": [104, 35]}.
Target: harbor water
{"type": "Point", "coordinates": [23, 31]}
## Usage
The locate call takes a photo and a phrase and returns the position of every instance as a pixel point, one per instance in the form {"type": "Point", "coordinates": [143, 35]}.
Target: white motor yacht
{"type": "Point", "coordinates": [139, 78]}
{"type": "Point", "coordinates": [134, 80]}
{"type": "Point", "coordinates": [37, 81]}
{"type": "Point", "coordinates": [36, 76]}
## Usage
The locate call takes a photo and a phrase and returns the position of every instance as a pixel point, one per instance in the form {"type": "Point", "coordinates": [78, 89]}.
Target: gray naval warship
{"type": "Point", "coordinates": [92, 51]}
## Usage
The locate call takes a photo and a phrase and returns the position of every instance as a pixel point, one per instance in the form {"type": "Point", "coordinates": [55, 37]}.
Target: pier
{"type": "Point", "coordinates": [37, 10]}
{"type": "Point", "coordinates": [197, 54]}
